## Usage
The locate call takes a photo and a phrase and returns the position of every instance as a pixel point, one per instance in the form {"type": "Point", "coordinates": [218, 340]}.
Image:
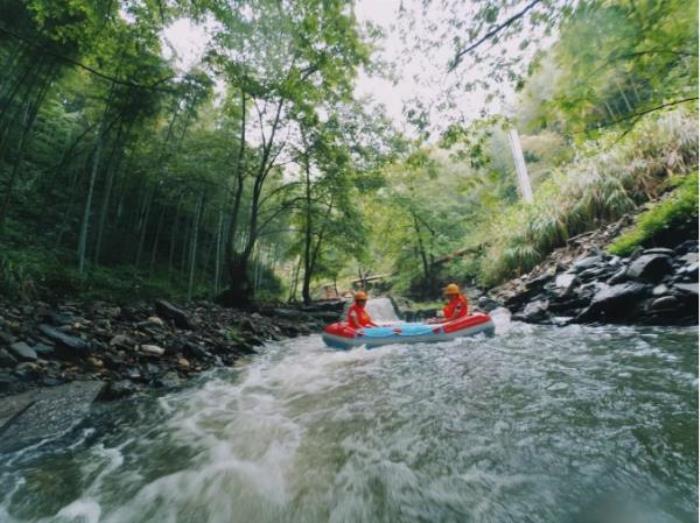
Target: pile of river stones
{"type": "Point", "coordinates": [132, 348]}
{"type": "Point", "coordinates": [656, 286]}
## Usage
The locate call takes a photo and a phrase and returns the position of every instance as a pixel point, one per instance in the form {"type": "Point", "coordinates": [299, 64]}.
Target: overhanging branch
{"type": "Point", "coordinates": [91, 70]}
{"type": "Point", "coordinates": [493, 32]}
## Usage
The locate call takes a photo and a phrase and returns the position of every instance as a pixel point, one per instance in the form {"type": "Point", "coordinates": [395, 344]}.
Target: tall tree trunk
{"type": "Point", "coordinates": [231, 258]}
{"type": "Point", "coordinates": [295, 280]}
{"type": "Point", "coordinates": [308, 230]}
{"type": "Point", "coordinates": [421, 249]}
{"type": "Point", "coordinates": [143, 223]}
{"type": "Point", "coordinates": [193, 244]}
{"type": "Point", "coordinates": [107, 193]}
{"type": "Point", "coordinates": [175, 227]}
{"type": "Point", "coordinates": [15, 171]}
{"type": "Point", "coordinates": [217, 254]}
{"type": "Point", "coordinates": [30, 114]}
{"type": "Point", "coordinates": [156, 239]}
{"type": "Point", "coordinates": [82, 242]}
{"type": "Point", "coordinates": [241, 292]}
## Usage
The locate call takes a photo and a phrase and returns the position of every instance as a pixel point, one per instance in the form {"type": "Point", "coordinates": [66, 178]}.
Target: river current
{"type": "Point", "coordinates": [536, 424]}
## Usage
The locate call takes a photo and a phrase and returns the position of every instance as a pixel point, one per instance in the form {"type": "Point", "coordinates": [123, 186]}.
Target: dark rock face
{"type": "Point", "coordinates": [657, 286]}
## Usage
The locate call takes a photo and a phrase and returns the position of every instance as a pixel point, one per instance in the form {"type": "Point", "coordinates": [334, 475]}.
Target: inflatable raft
{"type": "Point", "coordinates": [341, 336]}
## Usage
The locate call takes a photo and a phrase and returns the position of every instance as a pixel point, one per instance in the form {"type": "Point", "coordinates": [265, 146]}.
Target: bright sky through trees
{"type": "Point", "coordinates": [400, 77]}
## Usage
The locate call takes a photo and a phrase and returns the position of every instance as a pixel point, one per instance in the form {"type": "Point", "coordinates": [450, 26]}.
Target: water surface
{"type": "Point", "coordinates": [537, 424]}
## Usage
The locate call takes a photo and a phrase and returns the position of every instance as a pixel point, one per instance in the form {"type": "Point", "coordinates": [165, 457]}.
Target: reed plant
{"type": "Point", "coordinates": [606, 179]}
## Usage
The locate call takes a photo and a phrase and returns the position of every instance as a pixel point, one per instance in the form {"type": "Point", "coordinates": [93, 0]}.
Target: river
{"type": "Point", "coordinates": [536, 424]}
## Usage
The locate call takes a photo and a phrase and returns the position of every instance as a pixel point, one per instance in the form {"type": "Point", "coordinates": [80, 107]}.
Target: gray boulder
{"type": "Point", "coordinates": [659, 250]}
{"type": "Point", "coordinates": [564, 282]}
{"type": "Point", "coordinates": [665, 303]}
{"type": "Point", "coordinates": [618, 277]}
{"type": "Point", "coordinates": [586, 263]}
{"type": "Point", "coordinates": [686, 289]}
{"type": "Point", "coordinates": [487, 304]}
{"type": "Point", "coordinates": [650, 267]}
{"type": "Point", "coordinates": [74, 343]}
{"type": "Point", "coordinates": [168, 311]}
{"type": "Point", "coordinates": [534, 312]}
{"type": "Point", "coordinates": [615, 303]}
{"type": "Point", "coordinates": [23, 352]}
{"type": "Point", "coordinates": [660, 290]}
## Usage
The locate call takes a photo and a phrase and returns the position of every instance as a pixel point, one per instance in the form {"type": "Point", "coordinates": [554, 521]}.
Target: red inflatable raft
{"type": "Point", "coordinates": [341, 336]}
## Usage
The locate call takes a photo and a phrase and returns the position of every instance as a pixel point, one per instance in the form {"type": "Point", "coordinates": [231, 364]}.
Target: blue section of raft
{"type": "Point", "coordinates": [401, 330]}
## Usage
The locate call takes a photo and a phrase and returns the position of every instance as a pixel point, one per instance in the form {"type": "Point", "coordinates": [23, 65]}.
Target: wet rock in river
{"type": "Point", "coordinates": [118, 390]}
{"type": "Point", "coordinates": [534, 312]}
{"type": "Point", "coordinates": [169, 380]}
{"type": "Point", "coordinates": [487, 304]}
{"type": "Point", "coordinates": [52, 412]}
{"type": "Point", "coordinates": [615, 303]}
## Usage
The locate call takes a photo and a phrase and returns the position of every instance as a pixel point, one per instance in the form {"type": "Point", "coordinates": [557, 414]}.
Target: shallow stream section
{"type": "Point", "coordinates": [536, 424]}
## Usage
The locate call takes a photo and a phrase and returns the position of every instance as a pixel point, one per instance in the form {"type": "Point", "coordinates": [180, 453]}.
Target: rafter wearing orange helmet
{"type": "Point", "coordinates": [357, 315]}
{"type": "Point", "coordinates": [457, 304]}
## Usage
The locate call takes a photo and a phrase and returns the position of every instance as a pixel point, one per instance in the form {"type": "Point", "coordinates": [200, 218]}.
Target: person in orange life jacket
{"type": "Point", "coordinates": [357, 315]}
{"type": "Point", "coordinates": [457, 304]}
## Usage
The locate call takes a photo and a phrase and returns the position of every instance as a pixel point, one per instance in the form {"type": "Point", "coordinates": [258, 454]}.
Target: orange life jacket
{"type": "Point", "coordinates": [358, 317]}
{"type": "Point", "coordinates": [458, 307]}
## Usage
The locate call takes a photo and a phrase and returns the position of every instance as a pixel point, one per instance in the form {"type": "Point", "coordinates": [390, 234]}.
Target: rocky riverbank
{"type": "Point", "coordinates": [584, 284]}
{"type": "Point", "coordinates": [136, 347]}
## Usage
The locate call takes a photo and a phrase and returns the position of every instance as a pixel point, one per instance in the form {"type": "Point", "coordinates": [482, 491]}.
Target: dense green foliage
{"type": "Point", "coordinates": [258, 173]}
{"type": "Point", "coordinates": [110, 156]}
{"type": "Point", "coordinates": [678, 212]}
{"type": "Point", "coordinates": [605, 116]}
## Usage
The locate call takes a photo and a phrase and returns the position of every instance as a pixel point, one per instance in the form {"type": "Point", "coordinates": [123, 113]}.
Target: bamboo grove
{"type": "Point", "coordinates": [209, 178]}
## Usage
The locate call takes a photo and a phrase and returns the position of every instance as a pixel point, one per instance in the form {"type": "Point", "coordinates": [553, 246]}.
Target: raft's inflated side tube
{"type": "Point", "coordinates": [340, 335]}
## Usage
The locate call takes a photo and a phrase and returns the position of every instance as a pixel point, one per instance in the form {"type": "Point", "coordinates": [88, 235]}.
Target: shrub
{"type": "Point", "coordinates": [680, 210]}
{"type": "Point", "coordinates": [606, 179]}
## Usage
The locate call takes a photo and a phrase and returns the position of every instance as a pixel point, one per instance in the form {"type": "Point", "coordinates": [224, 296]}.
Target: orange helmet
{"type": "Point", "coordinates": [360, 296]}
{"type": "Point", "coordinates": [451, 289]}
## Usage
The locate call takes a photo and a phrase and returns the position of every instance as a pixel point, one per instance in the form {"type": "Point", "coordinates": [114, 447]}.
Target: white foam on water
{"type": "Point", "coordinates": [479, 429]}
{"type": "Point", "coordinates": [84, 510]}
